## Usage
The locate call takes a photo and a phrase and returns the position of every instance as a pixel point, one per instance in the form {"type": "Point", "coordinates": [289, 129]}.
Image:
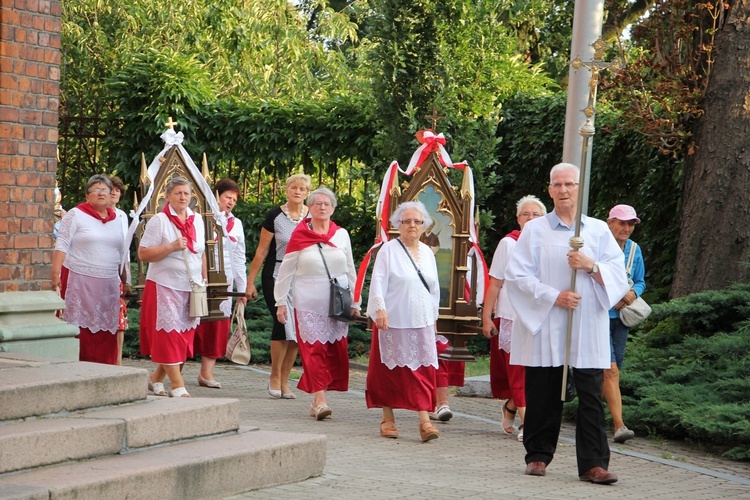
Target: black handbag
{"type": "Point", "coordinates": [340, 307]}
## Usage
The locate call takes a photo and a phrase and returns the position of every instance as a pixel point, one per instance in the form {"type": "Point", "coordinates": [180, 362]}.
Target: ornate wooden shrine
{"type": "Point", "coordinates": [449, 237]}
{"type": "Point", "coordinates": [174, 162]}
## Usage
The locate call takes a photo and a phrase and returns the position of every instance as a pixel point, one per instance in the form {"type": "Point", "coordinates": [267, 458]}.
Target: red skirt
{"type": "Point", "coordinates": [164, 347]}
{"type": "Point", "coordinates": [325, 366]}
{"type": "Point", "coordinates": [449, 372]}
{"type": "Point", "coordinates": [97, 347]}
{"type": "Point", "coordinates": [506, 381]}
{"type": "Point", "coordinates": [211, 338]}
{"type": "Point", "coordinates": [402, 387]}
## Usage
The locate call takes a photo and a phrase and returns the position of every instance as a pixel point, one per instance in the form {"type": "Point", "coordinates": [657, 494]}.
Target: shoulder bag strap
{"type": "Point", "coordinates": [320, 249]}
{"type": "Point", "coordinates": [631, 258]}
{"type": "Point", "coordinates": [413, 264]}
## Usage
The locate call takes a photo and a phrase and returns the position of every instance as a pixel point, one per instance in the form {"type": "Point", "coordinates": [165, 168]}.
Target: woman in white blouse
{"type": "Point", "coordinates": [211, 336]}
{"type": "Point", "coordinates": [404, 302]}
{"type": "Point", "coordinates": [323, 343]}
{"type": "Point", "coordinates": [171, 237]}
{"type": "Point", "coordinates": [85, 268]}
{"type": "Point", "coordinates": [506, 380]}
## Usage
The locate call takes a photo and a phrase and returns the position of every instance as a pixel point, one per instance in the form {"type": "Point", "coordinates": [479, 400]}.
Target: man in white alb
{"type": "Point", "coordinates": [538, 278]}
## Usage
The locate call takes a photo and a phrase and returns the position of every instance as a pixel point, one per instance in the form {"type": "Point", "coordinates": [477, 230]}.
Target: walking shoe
{"type": "Point", "coordinates": [599, 475]}
{"type": "Point", "coordinates": [536, 469]}
{"type": "Point", "coordinates": [442, 413]}
{"type": "Point", "coordinates": [623, 434]}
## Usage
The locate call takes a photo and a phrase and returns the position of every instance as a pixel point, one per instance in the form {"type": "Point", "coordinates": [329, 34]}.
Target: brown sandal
{"type": "Point", "coordinates": [388, 429]}
{"type": "Point", "coordinates": [428, 431]}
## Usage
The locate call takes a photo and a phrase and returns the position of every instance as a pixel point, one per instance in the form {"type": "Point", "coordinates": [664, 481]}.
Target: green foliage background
{"type": "Point", "coordinates": [338, 89]}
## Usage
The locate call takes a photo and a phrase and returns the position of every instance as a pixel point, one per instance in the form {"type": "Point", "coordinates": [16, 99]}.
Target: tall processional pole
{"type": "Point", "coordinates": [586, 132]}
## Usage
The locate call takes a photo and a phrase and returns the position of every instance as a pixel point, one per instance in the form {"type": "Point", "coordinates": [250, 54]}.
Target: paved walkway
{"type": "Point", "coordinates": [471, 459]}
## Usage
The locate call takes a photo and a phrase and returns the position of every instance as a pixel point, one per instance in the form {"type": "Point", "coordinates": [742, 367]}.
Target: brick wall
{"type": "Point", "coordinates": [29, 100]}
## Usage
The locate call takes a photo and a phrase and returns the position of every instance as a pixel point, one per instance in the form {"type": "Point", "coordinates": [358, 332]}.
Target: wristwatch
{"type": "Point", "coordinates": [594, 268]}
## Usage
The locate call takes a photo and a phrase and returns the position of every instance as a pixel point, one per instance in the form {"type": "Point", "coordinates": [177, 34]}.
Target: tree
{"type": "Point", "coordinates": [714, 246]}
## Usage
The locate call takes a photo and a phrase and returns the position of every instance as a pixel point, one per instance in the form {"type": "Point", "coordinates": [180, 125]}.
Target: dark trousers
{"type": "Point", "coordinates": [544, 415]}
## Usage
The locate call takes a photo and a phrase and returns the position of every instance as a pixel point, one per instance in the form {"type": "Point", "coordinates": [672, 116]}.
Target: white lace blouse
{"type": "Point", "coordinates": [395, 286]}
{"type": "Point", "coordinates": [91, 248]}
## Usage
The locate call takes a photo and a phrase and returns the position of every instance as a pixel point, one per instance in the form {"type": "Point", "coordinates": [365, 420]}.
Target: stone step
{"type": "Point", "coordinates": [211, 468]}
{"type": "Point", "coordinates": [120, 429]}
{"type": "Point", "coordinates": [38, 386]}
{"type": "Point", "coordinates": [476, 386]}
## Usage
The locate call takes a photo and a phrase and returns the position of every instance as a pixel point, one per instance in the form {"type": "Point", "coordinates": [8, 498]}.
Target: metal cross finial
{"type": "Point", "coordinates": [434, 117]}
{"type": "Point", "coordinates": [596, 65]}
{"type": "Point", "coordinates": [170, 123]}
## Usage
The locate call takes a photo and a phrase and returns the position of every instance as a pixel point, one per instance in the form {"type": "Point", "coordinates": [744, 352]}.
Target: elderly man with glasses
{"type": "Point", "coordinates": [538, 277]}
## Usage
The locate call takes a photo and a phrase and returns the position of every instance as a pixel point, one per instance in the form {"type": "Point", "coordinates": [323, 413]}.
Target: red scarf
{"type": "Point", "coordinates": [230, 225]}
{"type": "Point", "coordinates": [187, 229]}
{"type": "Point", "coordinates": [514, 234]}
{"type": "Point", "coordinates": [86, 208]}
{"type": "Point", "coordinates": [302, 236]}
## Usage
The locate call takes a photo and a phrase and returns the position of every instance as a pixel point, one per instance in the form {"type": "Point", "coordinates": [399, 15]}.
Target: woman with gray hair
{"type": "Point", "coordinates": [506, 380]}
{"type": "Point", "coordinates": [317, 248]}
{"type": "Point", "coordinates": [404, 303]}
{"type": "Point", "coordinates": [86, 270]}
{"type": "Point", "coordinates": [173, 242]}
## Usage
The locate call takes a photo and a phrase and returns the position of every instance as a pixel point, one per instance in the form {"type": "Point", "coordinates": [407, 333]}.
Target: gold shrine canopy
{"type": "Point", "coordinates": [174, 161]}
{"type": "Point", "coordinates": [452, 236]}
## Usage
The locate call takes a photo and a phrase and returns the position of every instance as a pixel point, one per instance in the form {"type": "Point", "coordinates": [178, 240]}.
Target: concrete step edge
{"type": "Point", "coordinates": [249, 460]}
{"type": "Point", "coordinates": [65, 386]}
{"type": "Point", "coordinates": [120, 429]}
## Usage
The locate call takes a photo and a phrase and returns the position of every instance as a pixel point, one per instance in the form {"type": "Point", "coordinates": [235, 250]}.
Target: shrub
{"type": "Point", "coordinates": [685, 373]}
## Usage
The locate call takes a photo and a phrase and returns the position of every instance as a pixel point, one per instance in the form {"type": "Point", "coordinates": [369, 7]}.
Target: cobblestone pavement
{"type": "Point", "coordinates": [471, 459]}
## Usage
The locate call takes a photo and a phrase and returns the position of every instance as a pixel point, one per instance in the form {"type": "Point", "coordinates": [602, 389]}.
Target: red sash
{"type": "Point", "coordinates": [187, 229]}
{"type": "Point", "coordinates": [230, 225]}
{"type": "Point", "coordinates": [89, 210]}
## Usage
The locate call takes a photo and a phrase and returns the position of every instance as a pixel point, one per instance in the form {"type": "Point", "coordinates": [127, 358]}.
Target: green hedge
{"type": "Point", "coordinates": [685, 371]}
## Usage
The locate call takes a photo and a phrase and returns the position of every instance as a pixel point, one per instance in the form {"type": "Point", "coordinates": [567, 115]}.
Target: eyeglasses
{"type": "Point", "coordinates": [324, 204]}
{"type": "Point", "coordinates": [531, 214]}
{"type": "Point", "coordinates": [409, 222]}
{"type": "Point", "coordinates": [568, 185]}
{"type": "Point", "coordinates": [100, 191]}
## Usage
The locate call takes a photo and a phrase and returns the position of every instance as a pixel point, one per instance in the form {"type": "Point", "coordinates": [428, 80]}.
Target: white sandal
{"type": "Point", "coordinates": [508, 423]}
{"type": "Point", "coordinates": [157, 388]}
{"type": "Point", "coordinates": [180, 392]}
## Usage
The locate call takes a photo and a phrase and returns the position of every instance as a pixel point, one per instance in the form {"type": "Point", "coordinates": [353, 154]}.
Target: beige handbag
{"type": "Point", "coordinates": [238, 347]}
{"type": "Point", "coordinates": [637, 312]}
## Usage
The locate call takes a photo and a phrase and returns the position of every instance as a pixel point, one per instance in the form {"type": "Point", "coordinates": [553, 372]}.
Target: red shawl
{"type": "Point", "coordinates": [514, 234]}
{"type": "Point", "coordinates": [86, 208]}
{"type": "Point", "coordinates": [187, 229]}
{"type": "Point", "coordinates": [302, 236]}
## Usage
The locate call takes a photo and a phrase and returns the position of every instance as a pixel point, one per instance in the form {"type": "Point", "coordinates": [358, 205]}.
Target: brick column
{"type": "Point", "coordinates": [29, 101]}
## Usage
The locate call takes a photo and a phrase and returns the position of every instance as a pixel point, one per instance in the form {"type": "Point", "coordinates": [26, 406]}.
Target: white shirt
{"type": "Point", "coordinates": [170, 271]}
{"type": "Point", "coordinates": [536, 274]}
{"type": "Point", "coordinates": [123, 218]}
{"type": "Point", "coordinates": [308, 262]}
{"type": "Point", "coordinates": [234, 256]}
{"type": "Point", "coordinates": [91, 248]}
{"type": "Point", "coordinates": [395, 286]}
{"type": "Point", "coordinates": [503, 309]}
